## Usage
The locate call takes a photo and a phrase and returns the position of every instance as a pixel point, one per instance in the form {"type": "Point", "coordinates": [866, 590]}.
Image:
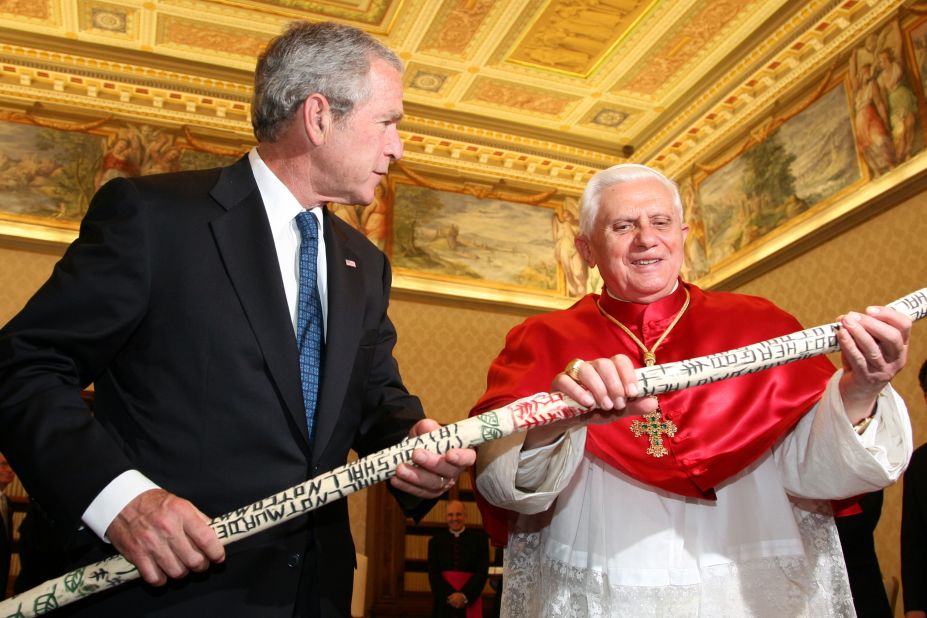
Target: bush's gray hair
{"type": "Point", "coordinates": [619, 174]}
{"type": "Point", "coordinates": [330, 59]}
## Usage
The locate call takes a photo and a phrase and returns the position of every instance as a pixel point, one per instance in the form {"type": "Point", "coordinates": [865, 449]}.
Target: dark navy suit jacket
{"type": "Point", "coordinates": [171, 303]}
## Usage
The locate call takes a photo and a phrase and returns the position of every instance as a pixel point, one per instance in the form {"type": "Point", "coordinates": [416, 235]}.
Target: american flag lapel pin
{"type": "Point", "coordinates": [350, 263]}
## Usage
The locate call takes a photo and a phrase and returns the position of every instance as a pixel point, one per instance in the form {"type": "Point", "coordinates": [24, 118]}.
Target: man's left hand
{"type": "Point", "coordinates": [430, 475]}
{"type": "Point", "coordinates": [873, 348]}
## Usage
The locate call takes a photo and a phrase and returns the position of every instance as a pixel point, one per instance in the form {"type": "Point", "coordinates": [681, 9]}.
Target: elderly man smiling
{"type": "Point", "coordinates": [711, 501]}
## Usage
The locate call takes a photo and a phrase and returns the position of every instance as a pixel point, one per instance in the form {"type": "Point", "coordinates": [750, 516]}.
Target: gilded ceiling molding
{"type": "Point", "coordinates": [454, 32]}
{"type": "Point", "coordinates": [223, 151]}
{"type": "Point", "coordinates": [521, 170]}
{"type": "Point", "coordinates": [680, 47]}
{"type": "Point", "coordinates": [574, 37]}
{"type": "Point", "coordinates": [760, 133]}
{"type": "Point", "coordinates": [475, 190]}
{"type": "Point", "coordinates": [605, 74]}
{"type": "Point", "coordinates": [153, 110]}
{"type": "Point", "coordinates": [918, 9]}
{"type": "Point", "coordinates": [377, 15]}
{"type": "Point", "coordinates": [77, 88]}
{"type": "Point", "coordinates": [48, 123]}
{"type": "Point", "coordinates": [527, 176]}
{"type": "Point", "coordinates": [78, 65]}
{"type": "Point", "coordinates": [439, 127]}
{"type": "Point", "coordinates": [481, 155]}
{"type": "Point", "coordinates": [73, 93]}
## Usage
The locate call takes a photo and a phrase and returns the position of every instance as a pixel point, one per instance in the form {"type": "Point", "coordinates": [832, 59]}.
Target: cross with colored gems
{"type": "Point", "coordinates": [653, 425]}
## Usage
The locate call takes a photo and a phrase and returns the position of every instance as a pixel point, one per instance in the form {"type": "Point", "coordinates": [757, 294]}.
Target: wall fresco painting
{"type": "Point", "coordinates": [45, 173]}
{"type": "Point", "coordinates": [809, 159]}
{"type": "Point", "coordinates": [886, 115]}
{"type": "Point", "coordinates": [919, 45]}
{"type": "Point", "coordinates": [48, 175]}
{"type": "Point", "coordinates": [484, 241]}
{"type": "Point", "coordinates": [372, 220]}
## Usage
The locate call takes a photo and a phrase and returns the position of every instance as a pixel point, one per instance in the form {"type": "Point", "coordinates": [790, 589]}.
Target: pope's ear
{"type": "Point", "coordinates": [585, 250]}
{"type": "Point", "coordinates": [317, 118]}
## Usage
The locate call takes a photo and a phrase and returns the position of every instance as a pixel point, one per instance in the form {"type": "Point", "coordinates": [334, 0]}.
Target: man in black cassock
{"type": "Point", "coordinates": [458, 565]}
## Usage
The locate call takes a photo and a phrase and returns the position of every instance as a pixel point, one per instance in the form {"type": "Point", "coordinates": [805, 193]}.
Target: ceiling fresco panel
{"type": "Point", "coordinates": [197, 36]}
{"type": "Point", "coordinates": [41, 10]}
{"type": "Point", "coordinates": [362, 12]}
{"type": "Point", "coordinates": [457, 28]}
{"type": "Point", "coordinates": [574, 36]}
{"type": "Point", "coordinates": [691, 38]}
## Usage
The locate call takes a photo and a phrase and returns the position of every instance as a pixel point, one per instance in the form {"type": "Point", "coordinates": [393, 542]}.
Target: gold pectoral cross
{"type": "Point", "coordinates": [654, 425]}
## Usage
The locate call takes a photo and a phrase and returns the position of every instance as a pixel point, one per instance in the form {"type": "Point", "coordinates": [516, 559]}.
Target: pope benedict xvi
{"type": "Point", "coordinates": [711, 501]}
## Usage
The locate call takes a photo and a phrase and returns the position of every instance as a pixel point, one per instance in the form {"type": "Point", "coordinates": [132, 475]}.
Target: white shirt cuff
{"type": "Point", "coordinates": [548, 468]}
{"type": "Point", "coordinates": [114, 497]}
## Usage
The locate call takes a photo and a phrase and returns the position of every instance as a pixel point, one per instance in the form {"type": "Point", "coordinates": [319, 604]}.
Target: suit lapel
{"type": "Point", "coordinates": [345, 312]}
{"type": "Point", "coordinates": [245, 243]}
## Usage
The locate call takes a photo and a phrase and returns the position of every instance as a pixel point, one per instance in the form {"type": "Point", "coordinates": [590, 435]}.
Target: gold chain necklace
{"type": "Point", "coordinates": [653, 424]}
{"type": "Point", "coordinates": [650, 356]}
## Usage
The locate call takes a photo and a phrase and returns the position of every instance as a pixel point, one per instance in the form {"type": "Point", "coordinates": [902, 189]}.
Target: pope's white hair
{"type": "Point", "coordinates": [619, 174]}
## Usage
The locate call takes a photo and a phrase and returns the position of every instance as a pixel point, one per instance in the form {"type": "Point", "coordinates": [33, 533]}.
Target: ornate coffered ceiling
{"type": "Point", "coordinates": [535, 93]}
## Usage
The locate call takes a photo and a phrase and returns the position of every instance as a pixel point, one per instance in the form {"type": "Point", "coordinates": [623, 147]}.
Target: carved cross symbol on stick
{"type": "Point", "coordinates": [654, 425]}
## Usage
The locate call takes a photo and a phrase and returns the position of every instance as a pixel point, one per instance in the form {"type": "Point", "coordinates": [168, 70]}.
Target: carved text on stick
{"type": "Point", "coordinates": [534, 411]}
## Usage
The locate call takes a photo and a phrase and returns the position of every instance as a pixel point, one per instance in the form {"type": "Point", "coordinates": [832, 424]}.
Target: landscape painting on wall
{"type": "Point", "coordinates": [48, 175]}
{"type": "Point", "coordinates": [487, 242]}
{"type": "Point", "coordinates": [807, 161]}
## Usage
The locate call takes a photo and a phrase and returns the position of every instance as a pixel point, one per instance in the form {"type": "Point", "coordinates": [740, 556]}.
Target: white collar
{"type": "Point", "coordinates": [282, 206]}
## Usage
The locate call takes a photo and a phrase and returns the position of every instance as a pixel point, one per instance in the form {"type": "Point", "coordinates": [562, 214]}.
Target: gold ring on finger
{"type": "Point", "coordinates": [572, 369]}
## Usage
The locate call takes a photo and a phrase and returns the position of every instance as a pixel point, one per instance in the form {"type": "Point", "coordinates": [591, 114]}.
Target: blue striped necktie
{"type": "Point", "coordinates": [309, 315]}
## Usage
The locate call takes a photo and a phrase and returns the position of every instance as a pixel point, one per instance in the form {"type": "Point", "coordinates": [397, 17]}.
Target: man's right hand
{"type": "Point", "coordinates": [609, 384]}
{"type": "Point", "coordinates": [164, 536]}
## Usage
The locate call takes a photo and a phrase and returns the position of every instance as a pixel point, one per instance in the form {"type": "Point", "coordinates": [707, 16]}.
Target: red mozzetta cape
{"type": "Point", "coordinates": [721, 428]}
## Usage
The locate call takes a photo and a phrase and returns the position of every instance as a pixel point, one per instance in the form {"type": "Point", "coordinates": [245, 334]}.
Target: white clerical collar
{"type": "Point", "coordinates": [607, 291]}
{"type": "Point", "coordinates": [457, 534]}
